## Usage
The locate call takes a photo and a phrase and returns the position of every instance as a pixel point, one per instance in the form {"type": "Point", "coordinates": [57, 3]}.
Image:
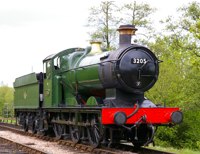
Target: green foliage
{"type": "Point", "coordinates": [186, 27]}
{"type": "Point", "coordinates": [186, 135]}
{"type": "Point", "coordinates": [179, 80]}
{"type": "Point", "coordinates": [6, 100]}
{"type": "Point", "coordinates": [178, 85]}
{"type": "Point", "coordinates": [195, 29]}
{"type": "Point", "coordinates": [169, 87]}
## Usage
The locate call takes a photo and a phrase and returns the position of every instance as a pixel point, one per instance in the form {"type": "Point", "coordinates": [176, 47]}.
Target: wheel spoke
{"type": "Point", "coordinates": [58, 129]}
{"type": "Point", "coordinates": [97, 135]}
{"type": "Point", "coordinates": [94, 134]}
{"type": "Point", "coordinates": [74, 132]}
{"type": "Point", "coordinates": [33, 127]}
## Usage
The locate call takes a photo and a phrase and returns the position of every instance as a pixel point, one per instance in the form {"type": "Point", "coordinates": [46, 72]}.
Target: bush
{"type": "Point", "coordinates": [186, 135]}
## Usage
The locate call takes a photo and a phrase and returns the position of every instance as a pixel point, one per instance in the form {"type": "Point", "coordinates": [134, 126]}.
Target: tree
{"type": "Point", "coordinates": [104, 20]}
{"type": "Point", "coordinates": [107, 16]}
{"type": "Point", "coordinates": [6, 98]}
{"type": "Point", "coordinates": [179, 83]}
{"type": "Point", "coordinates": [169, 87]}
{"type": "Point", "coordinates": [183, 40]}
{"type": "Point", "coordinates": [138, 14]}
{"type": "Point", "coordinates": [187, 26]}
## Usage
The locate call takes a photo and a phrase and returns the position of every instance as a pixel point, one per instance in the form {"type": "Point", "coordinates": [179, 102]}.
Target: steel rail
{"type": "Point", "coordinates": [119, 148]}
{"type": "Point", "coordinates": [23, 147]}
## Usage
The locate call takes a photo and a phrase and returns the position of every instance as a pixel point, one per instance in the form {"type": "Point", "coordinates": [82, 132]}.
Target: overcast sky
{"type": "Point", "coordinates": [30, 30]}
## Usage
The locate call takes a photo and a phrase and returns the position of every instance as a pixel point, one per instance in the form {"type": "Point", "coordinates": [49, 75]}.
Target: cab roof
{"type": "Point", "coordinates": [64, 52]}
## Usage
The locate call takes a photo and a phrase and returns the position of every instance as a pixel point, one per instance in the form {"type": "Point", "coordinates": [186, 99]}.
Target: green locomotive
{"type": "Point", "coordinates": [91, 95]}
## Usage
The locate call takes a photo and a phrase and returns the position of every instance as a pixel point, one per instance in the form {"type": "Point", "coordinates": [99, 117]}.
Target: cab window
{"type": "Point", "coordinates": [56, 63]}
{"type": "Point", "coordinates": [47, 69]}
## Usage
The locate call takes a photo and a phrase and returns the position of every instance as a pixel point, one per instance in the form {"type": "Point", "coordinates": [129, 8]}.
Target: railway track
{"type": "Point", "coordinates": [9, 146]}
{"type": "Point", "coordinates": [121, 148]}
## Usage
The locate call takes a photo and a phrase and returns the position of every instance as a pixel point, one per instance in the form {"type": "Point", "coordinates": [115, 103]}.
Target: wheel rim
{"type": "Point", "coordinates": [25, 127]}
{"type": "Point", "coordinates": [25, 123]}
{"type": "Point", "coordinates": [75, 136]}
{"type": "Point", "coordinates": [74, 132]}
{"type": "Point", "coordinates": [58, 129]}
{"type": "Point", "coordinates": [33, 127]}
{"type": "Point", "coordinates": [41, 130]}
{"type": "Point", "coordinates": [94, 134]}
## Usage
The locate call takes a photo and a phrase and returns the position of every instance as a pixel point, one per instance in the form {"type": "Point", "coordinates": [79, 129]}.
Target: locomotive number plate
{"type": "Point", "coordinates": [138, 60]}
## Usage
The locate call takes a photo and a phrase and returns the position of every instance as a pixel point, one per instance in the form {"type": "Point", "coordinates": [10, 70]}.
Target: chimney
{"type": "Point", "coordinates": [96, 47]}
{"type": "Point", "coordinates": [125, 34]}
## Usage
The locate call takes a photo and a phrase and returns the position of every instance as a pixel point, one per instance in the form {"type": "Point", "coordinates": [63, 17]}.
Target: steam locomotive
{"type": "Point", "coordinates": [94, 96]}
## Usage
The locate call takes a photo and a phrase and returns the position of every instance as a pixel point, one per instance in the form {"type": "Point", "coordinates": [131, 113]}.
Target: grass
{"type": "Point", "coordinates": [8, 120]}
{"type": "Point", "coordinates": [177, 151]}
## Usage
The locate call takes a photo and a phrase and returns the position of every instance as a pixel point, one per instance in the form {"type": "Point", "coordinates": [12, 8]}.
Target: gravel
{"type": "Point", "coordinates": [46, 146]}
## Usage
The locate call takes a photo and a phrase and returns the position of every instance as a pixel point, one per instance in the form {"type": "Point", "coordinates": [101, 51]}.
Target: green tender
{"type": "Point", "coordinates": [26, 93]}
